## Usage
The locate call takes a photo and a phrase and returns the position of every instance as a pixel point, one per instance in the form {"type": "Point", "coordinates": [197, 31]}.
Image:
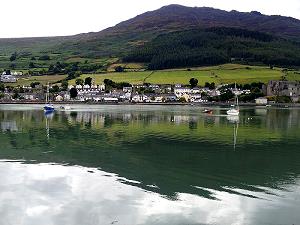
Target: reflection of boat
{"type": "Point", "coordinates": [65, 107]}
{"type": "Point", "coordinates": [48, 116]}
{"type": "Point", "coordinates": [235, 121]}
{"type": "Point", "coordinates": [235, 133]}
{"type": "Point", "coordinates": [48, 106]}
{"type": "Point", "coordinates": [233, 118]}
{"type": "Point", "coordinates": [208, 111]}
{"type": "Point", "coordinates": [234, 111]}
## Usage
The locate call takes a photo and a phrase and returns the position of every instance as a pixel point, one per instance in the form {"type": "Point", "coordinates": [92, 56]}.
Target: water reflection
{"type": "Point", "coordinates": [175, 157]}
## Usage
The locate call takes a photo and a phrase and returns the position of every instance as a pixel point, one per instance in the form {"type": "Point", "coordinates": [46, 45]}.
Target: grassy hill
{"type": "Point", "coordinates": [227, 73]}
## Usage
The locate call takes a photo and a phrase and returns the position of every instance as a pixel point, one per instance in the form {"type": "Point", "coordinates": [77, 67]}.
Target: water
{"type": "Point", "coordinates": [149, 165]}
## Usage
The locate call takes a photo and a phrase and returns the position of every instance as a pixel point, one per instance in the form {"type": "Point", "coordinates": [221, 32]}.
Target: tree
{"type": "Point", "coordinates": [64, 85]}
{"type": "Point", "coordinates": [108, 82]}
{"type": "Point", "coordinates": [13, 57]}
{"type": "Point", "coordinates": [44, 57]}
{"type": "Point", "coordinates": [16, 94]}
{"type": "Point", "coordinates": [34, 84]}
{"type": "Point", "coordinates": [31, 65]}
{"type": "Point", "coordinates": [2, 87]}
{"type": "Point", "coordinates": [193, 82]}
{"type": "Point", "coordinates": [79, 81]}
{"type": "Point", "coordinates": [73, 93]}
{"type": "Point", "coordinates": [182, 99]}
{"type": "Point", "coordinates": [13, 65]}
{"type": "Point", "coordinates": [55, 89]}
{"type": "Point", "coordinates": [119, 69]}
{"type": "Point", "coordinates": [88, 81]}
{"type": "Point", "coordinates": [227, 95]}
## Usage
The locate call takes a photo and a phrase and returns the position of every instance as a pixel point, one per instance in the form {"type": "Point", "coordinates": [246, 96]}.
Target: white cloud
{"type": "Point", "coordinates": [64, 17]}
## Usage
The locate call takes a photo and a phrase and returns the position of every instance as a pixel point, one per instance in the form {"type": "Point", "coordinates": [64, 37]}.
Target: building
{"type": "Point", "coordinates": [59, 98]}
{"type": "Point", "coordinates": [261, 101]}
{"type": "Point", "coordinates": [127, 89]}
{"type": "Point", "coordinates": [284, 88]}
{"type": "Point", "coordinates": [8, 78]}
{"type": "Point", "coordinates": [140, 98]}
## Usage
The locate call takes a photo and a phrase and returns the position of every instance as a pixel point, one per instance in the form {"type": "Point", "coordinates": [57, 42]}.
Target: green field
{"type": "Point", "coordinates": [42, 79]}
{"type": "Point", "coordinates": [228, 73]}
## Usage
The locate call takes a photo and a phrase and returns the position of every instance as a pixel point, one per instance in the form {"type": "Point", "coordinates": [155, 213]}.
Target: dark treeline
{"type": "Point", "coordinates": [215, 46]}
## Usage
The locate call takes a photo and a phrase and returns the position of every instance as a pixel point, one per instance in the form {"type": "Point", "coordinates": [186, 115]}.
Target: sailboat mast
{"type": "Point", "coordinates": [236, 97]}
{"type": "Point", "coordinates": [47, 97]}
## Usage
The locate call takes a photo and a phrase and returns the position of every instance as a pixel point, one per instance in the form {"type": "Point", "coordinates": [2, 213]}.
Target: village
{"type": "Point", "coordinates": [276, 91]}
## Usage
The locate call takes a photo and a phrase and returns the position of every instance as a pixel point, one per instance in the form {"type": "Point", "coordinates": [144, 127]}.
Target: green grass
{"type": "Point", "coordinates": [228, 73]}
{"type": "Point", "coordinates": [42, 79]}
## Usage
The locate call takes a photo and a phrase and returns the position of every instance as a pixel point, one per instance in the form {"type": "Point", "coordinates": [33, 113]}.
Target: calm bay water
{"type": "Point", "coordinates": [149, 165]}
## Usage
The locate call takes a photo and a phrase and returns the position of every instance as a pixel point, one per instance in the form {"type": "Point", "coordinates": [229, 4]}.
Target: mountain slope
{"type": "Point", "coordinates": [174, 17]}
{"type": "Point", "coordinates": [213, 46]}
{"type": "Point", "coordinates": [126, 35]}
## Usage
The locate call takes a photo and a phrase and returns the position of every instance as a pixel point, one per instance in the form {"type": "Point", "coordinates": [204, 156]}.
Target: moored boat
{"type": "Point", "coordinates": [48, 106]}
{"type": "Point", "coordinates": [208, 111]}
{"type": "Point", "coordinates": [234, 111]}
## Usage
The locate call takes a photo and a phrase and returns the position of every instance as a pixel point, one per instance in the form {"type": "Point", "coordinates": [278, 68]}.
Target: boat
{"type": "Point", "coordinates": [65, 107]}
{"type": "Point", "coordinates": [234, 111]}
{"type": "Point", "coordinates": [48, 106]}
{"type": "Point", "coordinates": [207, 111]}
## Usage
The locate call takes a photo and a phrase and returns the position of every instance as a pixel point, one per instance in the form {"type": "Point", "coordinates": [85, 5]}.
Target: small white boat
{"type": "Point", "coordinates": [234, 111]}
{"type": "Point", "coordinates": [65, 107]}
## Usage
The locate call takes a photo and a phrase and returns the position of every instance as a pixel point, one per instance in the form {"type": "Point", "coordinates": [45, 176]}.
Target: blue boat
{"type": "Point", "coordinates": [48, 107]}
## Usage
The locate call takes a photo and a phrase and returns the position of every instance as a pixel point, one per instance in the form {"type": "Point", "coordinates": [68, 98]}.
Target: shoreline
{"type": "Point", "coordinates": [208, 104]}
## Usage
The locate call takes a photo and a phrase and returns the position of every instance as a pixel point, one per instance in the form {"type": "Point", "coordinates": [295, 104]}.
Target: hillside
{"type": "Point", "coordinates": [214, 46]}
{"type": "Point", "coordinates": [118, 40]}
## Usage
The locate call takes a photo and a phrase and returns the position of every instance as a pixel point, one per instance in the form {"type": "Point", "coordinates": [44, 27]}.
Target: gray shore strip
{"type": "Point", "coordinates": [296, 105]}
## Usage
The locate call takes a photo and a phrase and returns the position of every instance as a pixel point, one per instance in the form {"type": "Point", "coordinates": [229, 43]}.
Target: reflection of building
{"type": "Point", "coordinates": [9, 126]}
{"type": "Point", "coordinates": [284, 88]}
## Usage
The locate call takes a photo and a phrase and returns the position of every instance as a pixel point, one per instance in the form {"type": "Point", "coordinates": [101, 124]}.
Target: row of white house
{"type": "Point", "coordinates": [100, 87]}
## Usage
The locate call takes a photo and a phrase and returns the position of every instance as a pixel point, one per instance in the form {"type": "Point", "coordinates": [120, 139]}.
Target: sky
{"type": "Point", "coordinates": [34, 18]}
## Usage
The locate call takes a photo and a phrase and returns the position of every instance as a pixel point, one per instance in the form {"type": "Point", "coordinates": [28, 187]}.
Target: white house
{"type": "Point", "coordinates": [78, 86]}
{"type": "Point", "coordinates": [8, 78]}
{"type": "Point", "coordinates": [140, 98]}
{"type": "Point", "coordinates": [59, 98]}
{"type": "Point", "coordinates": [261, 101]}
{"type": "Point", "coordinates": [127, 89]}
{"type": "Point", "coordinates": [180, 91]}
